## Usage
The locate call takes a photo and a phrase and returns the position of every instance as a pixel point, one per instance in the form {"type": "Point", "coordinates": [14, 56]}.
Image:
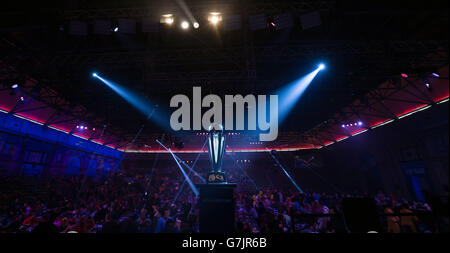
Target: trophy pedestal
{"type": "Point", "coordinates": [216, 177]}
{"type": "Point", "coordinates": [216, 208]}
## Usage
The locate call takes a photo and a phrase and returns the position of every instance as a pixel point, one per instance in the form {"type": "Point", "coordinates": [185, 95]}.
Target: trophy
{"type": "Point", "coordinates": [217, 201]}
{"type": "Point", "coordinates": [216, 149]}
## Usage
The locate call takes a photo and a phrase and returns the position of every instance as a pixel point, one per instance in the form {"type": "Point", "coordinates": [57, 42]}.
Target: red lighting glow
{"type": "Point", "coordinates": [379, 122]}
{"type": "Point", "coordinates": [411, 110]}
{"type": "Point", "coordinates": [228, 150]}
{"type": "Point", "coordinates": [341, 138]}
{"type": "Point", "coordinates": [358, 131]}
{"type": "Point", "coordinates": [40, 122]}
{"type": "Point", "coordinates": [30, 118]}
{"type": "Point", "coordinates": [442, 98]}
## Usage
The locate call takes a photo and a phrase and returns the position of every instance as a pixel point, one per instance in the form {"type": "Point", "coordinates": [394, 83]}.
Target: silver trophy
{"type": "Point", "coordinates": [216, 149]}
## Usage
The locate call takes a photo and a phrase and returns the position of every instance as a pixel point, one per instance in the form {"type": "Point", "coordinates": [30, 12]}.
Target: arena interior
{"type": "Point", "coordinates": [362, 138]}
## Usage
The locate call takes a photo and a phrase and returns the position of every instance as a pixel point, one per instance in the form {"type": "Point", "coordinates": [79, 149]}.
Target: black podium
{"type": "Point", "coordinates": [216, 208]}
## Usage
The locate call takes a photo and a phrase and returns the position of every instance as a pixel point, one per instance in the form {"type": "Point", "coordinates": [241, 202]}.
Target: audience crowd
{"type": "Point", "coordinates": [154, 203]}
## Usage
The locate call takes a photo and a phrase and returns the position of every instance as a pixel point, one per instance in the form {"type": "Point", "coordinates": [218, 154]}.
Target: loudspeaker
{"type": "Point", "coordinates": [361, 215]}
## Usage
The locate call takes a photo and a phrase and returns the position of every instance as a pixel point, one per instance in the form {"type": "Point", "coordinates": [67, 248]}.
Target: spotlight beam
{"type": "Point", "coordinates": [193, 165]}
{"type": "Point", "coordinates": [290, 95]}
{"type": "Point", "coordinates": [179, 159]}
{"type": "Point", "coordinates": [285, 172]}
{"type": "Point", "coordinates": [186, 11]}
{"type": "Point", "coordinates": [142, 127]}
{"type": "Point", "coordinates": [154, 162]}
{"type": "Point", "coordinates": [185, 175]}
{"type": "Point", "coordinates": [139, 102]}
{"type": "Point", "coordinates": [181, 169]}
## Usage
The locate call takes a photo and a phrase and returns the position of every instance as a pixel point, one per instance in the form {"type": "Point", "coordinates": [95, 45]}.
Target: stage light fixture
{"type": "Point", "coordinates": [115, 29]}
{"type": "Point", "coordinates": [214, 17]}
{"type": "Point", "coordinates": [196, 25]}
{"type": "Point", "coordinates": [185, 25]}
{"type": "Point", "coordinates": [435, 74]}
{"type": "Point", "coordinates": [321, 66]}
{"type": "Point", "coordinates": [94, 74]}
{"type": "Point", "coordinates": [360, 123]}
{"type": "Point", "coordinates": [343, 125]}
{"type": "Point", "coordinates": [167, 19]}
{"type": "Point", "coordinates": [15, 86]}
{"type": "Point", "coordinates": [404, 75]}
{"type": "Point", "coordinates": [428, 84]}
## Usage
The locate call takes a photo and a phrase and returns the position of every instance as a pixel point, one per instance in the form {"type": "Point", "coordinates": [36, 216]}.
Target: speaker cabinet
{"type": "Point", "coordinates": [361, 215]}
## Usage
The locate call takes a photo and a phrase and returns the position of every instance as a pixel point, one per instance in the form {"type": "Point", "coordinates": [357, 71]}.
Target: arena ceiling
{"type": "Point", "coordinates": [363, 46]}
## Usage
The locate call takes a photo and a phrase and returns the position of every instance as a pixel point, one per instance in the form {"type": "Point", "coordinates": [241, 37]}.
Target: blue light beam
{"type": "Point", "coordinates": [185, 175]}
{"type": "Point", "coordinates": [139, 102]}
{"type": "Point", "coordinates": [290, 95]}
{"type": "Point", "coordinates": [193, 165]}
{"type": "Point", "coordinates": [180, 160]}
{"type": "Point", "coordinates": [285, 172]}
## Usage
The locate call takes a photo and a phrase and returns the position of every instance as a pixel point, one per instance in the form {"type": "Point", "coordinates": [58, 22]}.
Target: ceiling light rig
{"type": "Point", "coordinates": [359, 124]}
{"type": "Point", "coordinates": [214, 17]}
{"type": "Point", "coordinates": [184, 25]}
{"type": "Point", "coordinates": [167, 19]}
